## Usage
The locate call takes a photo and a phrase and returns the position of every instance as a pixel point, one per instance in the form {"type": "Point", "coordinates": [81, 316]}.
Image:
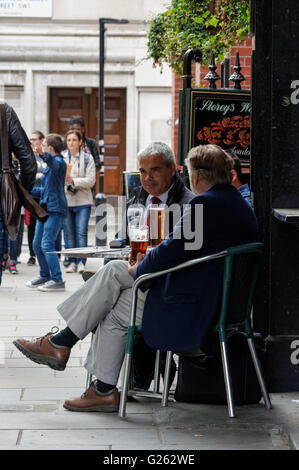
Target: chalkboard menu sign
{"type": "Point", "coordinates": [219, 117]}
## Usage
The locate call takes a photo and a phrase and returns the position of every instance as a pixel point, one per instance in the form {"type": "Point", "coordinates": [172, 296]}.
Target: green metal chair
{"type": "Point", "coordinates": [241, 265]}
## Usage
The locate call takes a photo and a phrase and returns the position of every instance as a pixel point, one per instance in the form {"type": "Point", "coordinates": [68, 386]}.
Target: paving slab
{"type": "Point", "coordinates": [103, 437]}
{"type": "Point", "coordinates": [56, 393]}
{"type": "Point", "coordinates": [19, 373]}
{"type": "Point", "coordinates": [42, 322]}
{"type": "Point", "coordinates": [43, 382]}
{"type": "Point", "coordinates": [21, 362]}
{"type": "Point", "coordinates": [10, 395]}
{"type": "Point", "coordinates": [8, 437]}
{"type": "Point", "coordinates": [63, 419]}
{"type": "Point", "coordinates": [218, 439]}
{"type": "Point", "coordinates": [8, 317]}
{"type": "Point", "coordinates": [8, 331]}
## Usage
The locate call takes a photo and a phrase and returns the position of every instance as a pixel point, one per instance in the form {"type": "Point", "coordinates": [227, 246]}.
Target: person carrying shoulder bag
{"type": "Point", "coordinates": [19, 144]}
{"type": "Point", "coordinates": [79, 182]}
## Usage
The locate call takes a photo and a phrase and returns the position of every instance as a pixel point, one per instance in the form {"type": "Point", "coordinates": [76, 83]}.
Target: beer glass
{"type": "Point", "coordinates": [157, 223]}
{"type": "Point", "coordinates": [138, 235]}
{"type": "Point", "coordinates": [135, 215]}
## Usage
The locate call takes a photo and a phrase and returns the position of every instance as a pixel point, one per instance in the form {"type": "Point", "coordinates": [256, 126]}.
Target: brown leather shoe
{"type": "Point", "coordinates": [42, 351]}
{"type": "Point", "coordinates": [92, 401]}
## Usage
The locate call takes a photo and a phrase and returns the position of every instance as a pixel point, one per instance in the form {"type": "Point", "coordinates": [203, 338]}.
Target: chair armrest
{"type": "Point", "coordinates": [147, 277]}
{"type": "Point", "coordinates": [185, 264]}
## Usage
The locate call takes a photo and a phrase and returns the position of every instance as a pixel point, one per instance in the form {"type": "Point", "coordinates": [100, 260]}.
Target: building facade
{"type": "Point", "coordinates": [49, 71]}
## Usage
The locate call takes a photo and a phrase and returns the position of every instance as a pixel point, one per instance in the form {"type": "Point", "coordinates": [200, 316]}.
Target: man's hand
{"type": "Point", "coordinates": [140, 257]}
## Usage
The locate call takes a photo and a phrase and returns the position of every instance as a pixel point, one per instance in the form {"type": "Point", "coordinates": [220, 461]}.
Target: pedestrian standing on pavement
{"type": "Point", "coordinates": [19, 144]}
{"type": "Point", "coordinates": [52, 195]}
{"type": "Point", "coordinates": [88, 144]}
{"type": "Point", "coordinates": [79, 181]}
{"type": "Point", "coordinates": [36, 140]}
{"type": "Point", "coordinates": [13, 248]}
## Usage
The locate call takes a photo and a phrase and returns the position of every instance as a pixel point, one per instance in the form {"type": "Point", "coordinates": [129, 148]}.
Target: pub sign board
{"type": "Point", "coordinates": [220, 117]}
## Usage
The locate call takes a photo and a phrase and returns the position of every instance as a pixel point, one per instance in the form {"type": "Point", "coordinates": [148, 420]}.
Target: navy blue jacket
{"type": "Point", "coordinates": [51, 192]}
{"type": "Point", "coordinates": [181, 306]}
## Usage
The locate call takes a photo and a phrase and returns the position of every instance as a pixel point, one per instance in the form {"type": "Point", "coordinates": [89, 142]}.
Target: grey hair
{"type": "Point", "coordinates": [157, 147]}
{"type": "Point", "coordinates": [212, 163]}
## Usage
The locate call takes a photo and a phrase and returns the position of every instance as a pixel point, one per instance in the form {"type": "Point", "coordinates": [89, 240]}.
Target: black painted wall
{"type": "Point", "coordinates": [275, 183]}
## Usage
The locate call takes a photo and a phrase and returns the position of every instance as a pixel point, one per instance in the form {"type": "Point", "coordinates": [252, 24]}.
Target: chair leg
{"type": "Point", "coordinates": [166, 378]}
{"type": "Point", "coordinates": [88, 380]}
{"type": "Point", "coordinates": [89, 375]}
{"type": "Point", "coordinates": [157, 372]}
{"type": "Point", "coordinates": [259, 374]}
{"type": "Point", "coordinates": [125, 386]}
{"type": "Point", "coordinates": [227, 380]}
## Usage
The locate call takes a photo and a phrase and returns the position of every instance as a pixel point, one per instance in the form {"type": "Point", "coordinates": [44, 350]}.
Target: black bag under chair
{"type": "Point", "coordinates": [200, 378]}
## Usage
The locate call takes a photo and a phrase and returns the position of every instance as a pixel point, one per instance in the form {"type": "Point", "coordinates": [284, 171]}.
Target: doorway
{"type": "Point", "coordinates": [68, 102]}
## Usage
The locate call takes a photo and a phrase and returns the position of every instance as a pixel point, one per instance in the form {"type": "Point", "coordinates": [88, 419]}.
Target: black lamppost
{"type": "Point", "coordinates": [102, 22]}
{"type": "Point", "coordinates": [100, 199]}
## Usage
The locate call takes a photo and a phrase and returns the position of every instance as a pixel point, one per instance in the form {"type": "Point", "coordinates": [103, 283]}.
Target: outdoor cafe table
{"type": "Point", "coordinates": [97, 252]}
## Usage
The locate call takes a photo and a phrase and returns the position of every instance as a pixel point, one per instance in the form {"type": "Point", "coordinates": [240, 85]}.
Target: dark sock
{"type": "Point", "coordinates": [65, 338]}
{"type": "Point", "coordinates": [103, 388]}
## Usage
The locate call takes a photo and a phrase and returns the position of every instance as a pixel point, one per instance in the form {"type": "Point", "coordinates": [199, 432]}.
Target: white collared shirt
{"type": "Point", "coordinates": [163, 198]}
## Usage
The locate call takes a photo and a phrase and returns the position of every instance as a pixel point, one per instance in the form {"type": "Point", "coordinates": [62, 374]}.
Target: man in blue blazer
{"type": "Point", "coordinates": [181, 306]}
{"type": "Point", "coordinates": [178, 309]}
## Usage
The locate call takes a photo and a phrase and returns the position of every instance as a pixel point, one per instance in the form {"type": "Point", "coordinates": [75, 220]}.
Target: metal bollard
{"type": "Point", "coordinates": [101, 220]}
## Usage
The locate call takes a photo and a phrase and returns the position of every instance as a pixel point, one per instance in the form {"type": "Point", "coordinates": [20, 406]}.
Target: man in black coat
{"type": "Point", "coordinates": [159, 179]}
{"type": "Point", "coordinates": [19, 144]}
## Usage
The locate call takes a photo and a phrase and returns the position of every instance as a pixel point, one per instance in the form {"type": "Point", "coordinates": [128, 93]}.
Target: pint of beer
{"type": "Point", "coordinates": [138, 240]}
{"type": "Point", "coordinates": [157, 223]}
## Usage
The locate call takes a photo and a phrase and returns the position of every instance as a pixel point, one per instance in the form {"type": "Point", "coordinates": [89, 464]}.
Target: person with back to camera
{"type": "Point", "coordinates": [52, 196]}
{"type": "Point", "coordinates": [79, 181]}
{"type": "Point", "coordinates": [177, 310]}
{"type": "Point", "coordinates": [19, 144]}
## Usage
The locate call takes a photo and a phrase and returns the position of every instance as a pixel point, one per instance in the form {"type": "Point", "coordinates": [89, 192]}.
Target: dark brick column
{"type": "Point", "coordinates": [275, 183]}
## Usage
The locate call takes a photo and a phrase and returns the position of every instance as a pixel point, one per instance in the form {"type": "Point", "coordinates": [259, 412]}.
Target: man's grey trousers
{"type": "Point", "coordinates": [104, 301]}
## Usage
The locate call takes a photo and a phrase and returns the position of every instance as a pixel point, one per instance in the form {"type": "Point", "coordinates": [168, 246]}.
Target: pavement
{"type": "Point", "coordinates": [31, 395]}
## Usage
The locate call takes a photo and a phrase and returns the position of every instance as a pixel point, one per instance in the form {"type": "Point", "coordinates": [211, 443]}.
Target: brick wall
{"type": "Point", "coordinates": [244, 49]}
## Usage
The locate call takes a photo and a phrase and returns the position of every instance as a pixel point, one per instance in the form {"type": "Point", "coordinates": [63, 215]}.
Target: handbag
{"type": "Point", "coordinates": [200, 378]}
{"type": "Point", "coordinates": [13, 193]}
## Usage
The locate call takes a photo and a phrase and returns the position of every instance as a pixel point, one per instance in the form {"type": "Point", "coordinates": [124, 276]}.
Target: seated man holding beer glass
{"type": "Point", "coordinates": [186, 301]}
{"type": "Point", "coordinates": [161, 185]}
